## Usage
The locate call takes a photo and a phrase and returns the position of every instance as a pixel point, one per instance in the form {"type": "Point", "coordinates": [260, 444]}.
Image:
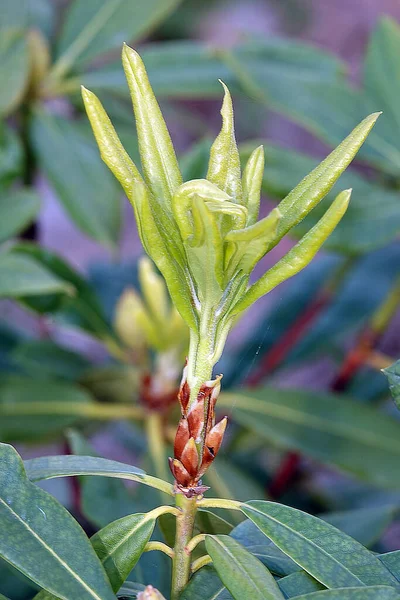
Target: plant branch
{"type": "Point", "coordinates": [184, 533]}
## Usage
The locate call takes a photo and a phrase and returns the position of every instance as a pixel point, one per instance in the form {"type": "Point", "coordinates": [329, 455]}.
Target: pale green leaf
{"type": "Point", "coordinates": [251, 182]}
{"type": "Point", "coordinates": [314, 187]}
{"type": "Point", "coordinates": [224, 165]}
{"type": "Point", "coordinates": [299, 256]}
{"type": "Point", "coordinates": [160, 166]}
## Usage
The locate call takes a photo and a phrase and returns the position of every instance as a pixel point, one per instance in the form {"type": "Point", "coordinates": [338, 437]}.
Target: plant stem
{"type": "Point", "coordinates": [184, 533]}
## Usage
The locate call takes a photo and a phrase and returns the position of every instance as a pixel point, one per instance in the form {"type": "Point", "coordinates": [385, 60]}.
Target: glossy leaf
{"type": "Point", "coordinates": [327, 554]}
{"type": "Point", "coordinates": [65, 565]}
{"type": "Point", "coordinates": [297, 584]}
{"type": "Point", "coordinates": [205, 585]}
{"type": "Point", "coordinates": [242, 573]}
{"type": "Point", "coordinates": [393, 375]}
{"type": "Point", "coordinates": [49, 467]}
{"type": "Point", "coordinates": [14, 68]}
{"type": "Point", "coordinates": [91, 30]}
{"type": "Point", "coordinates": [391, 560]}
{"type": "Point", "coordinates": [248, 534]}
{"type": "Point", "coordinates": [23, 276]}
{"type": "Point", "coordinates": [369, 593]}
{"type": "Point", "coordinates": [120, 544]}
{"type": "Point", "coordinates": [91, 197]}
{"type": "Point", "coordinates": [17, 210]}
{"type": "Point", "coordinates": [33, 409]}
{"type": "Point", "coordinates": [336, 431]}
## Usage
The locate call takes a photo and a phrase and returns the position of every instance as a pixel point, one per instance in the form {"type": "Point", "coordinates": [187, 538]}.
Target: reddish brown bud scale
{"type": "Point", "coordinates": [199, 423]}
{"type": "Point", "coordinates": [190, 457]}
{"type": "Point", "coordinates": [182, 436]}
{"type": "Point", "coordinates": [195, 419]}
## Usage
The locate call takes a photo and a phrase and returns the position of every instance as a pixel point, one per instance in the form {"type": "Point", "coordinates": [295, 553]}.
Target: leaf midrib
{"type": "Point", "coordinates": [52, 552]}
{"type": "Point", "coordinates": [307, 540]}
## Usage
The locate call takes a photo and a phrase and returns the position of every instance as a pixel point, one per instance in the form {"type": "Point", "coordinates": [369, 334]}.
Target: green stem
{"type": "Point", "coordinates": [184, 533]}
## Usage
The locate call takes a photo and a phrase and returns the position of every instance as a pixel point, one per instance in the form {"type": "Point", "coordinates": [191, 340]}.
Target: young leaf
{"type": "Point", "coordinates": [49, 467]}
{"type": "Point", "coordinates": [157, 153]}
{"type": "Point", "coordinates": [314, 187]}
{"type": "Point", "coordinates": [56, 552]}
{"type": "Point", "coordinates": [327, 554]}
{"type": "Point", "coordinates": [247, 246]}
{"type": "Point", "coordinates": [251, 182]}
{"type": "Point", "coordinates": [224, 165]}
{"type": "Point", "coordinates": [111, 150]}
{"type": "Point", "coordinates": [243, 574]}
{"type": "Point", "coordinates": [299, 256]}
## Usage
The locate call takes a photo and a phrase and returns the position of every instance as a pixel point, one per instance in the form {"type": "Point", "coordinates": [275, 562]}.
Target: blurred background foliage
{"type": "Point", "coordinates": [91, 350]}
